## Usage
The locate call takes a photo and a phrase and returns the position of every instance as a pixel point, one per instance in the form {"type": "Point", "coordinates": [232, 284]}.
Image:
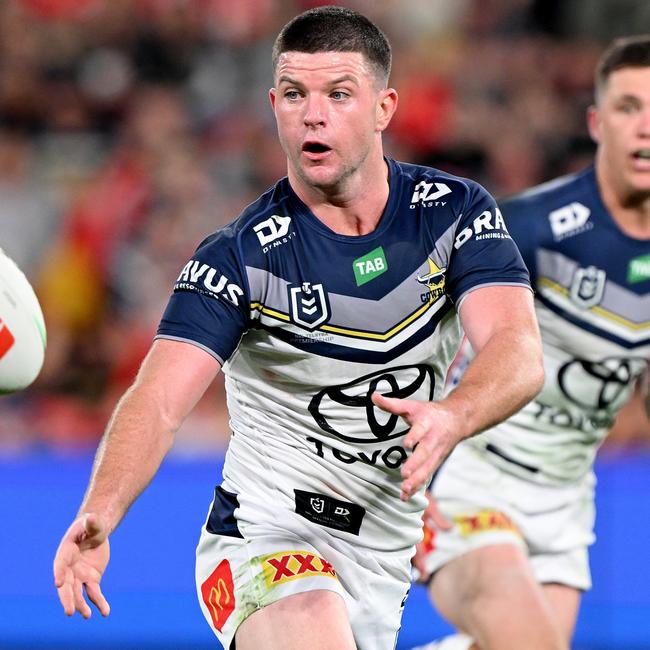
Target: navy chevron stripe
{"type": "Point", "coordinates": [603, 333]}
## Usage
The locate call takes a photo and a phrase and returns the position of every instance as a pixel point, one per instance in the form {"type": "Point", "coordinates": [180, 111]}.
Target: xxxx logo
{"type": "Point", "coordinates": [218, 593]}
{"type": "Point", "coordinates": [483, 522]}
{"type": "Point", "coordinates": [7, 339]}
{"type": "Point", "coordinates": [291, 565]}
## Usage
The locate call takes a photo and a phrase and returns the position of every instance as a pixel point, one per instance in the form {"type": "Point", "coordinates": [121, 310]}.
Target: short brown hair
{"type": "Point", "coordinates": [629, 52]}
{"type": "Point", "coordinates": [335, 29]}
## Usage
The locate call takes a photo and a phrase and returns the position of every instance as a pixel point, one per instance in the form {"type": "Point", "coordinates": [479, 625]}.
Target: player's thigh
{"type": "Point", "coordinates": [565, 602]}
{"type": "Point", "coordinates": [317, 620]}
{"type": "Point", "coordinates": [489, 575]}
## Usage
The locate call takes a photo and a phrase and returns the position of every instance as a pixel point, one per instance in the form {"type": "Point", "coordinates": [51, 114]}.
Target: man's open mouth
{"type": "Point", "coordinates": [642, 154]}
{"type": "Point", "coordinates": [315, 147]}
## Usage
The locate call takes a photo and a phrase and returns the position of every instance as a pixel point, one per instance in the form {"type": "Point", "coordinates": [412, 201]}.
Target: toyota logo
{"type": "Point", "coordinates": [331, 404]}
{"type": "Point", "coordinates": [599, 384]}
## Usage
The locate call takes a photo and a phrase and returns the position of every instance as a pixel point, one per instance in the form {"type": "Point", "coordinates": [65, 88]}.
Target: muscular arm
{"type": "Point", "coordinates": [507, 371]}
{"type": "Point", "coordinates": [505, 374]}
{"type": "Point", "coordinates": [141, 431]}
{"type": "Point", "coordinates": [171, 380]}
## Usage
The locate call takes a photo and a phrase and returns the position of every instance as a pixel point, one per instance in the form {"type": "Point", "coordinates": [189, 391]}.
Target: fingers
{"type": "Point", "coordinates": [79, 562]}
{"type": "Point", "coordinates": [79, 601]}
{"type": "Point", "coordinates": [64, 584]}
{"type": "Point", "coordinates": [97, 597]}
{"type": "Point", "coordinates": [419, 562]}
{"type": "Point", "coordinates": [412, 411]}
{"type": "Point", "coordinates": [432, 516]}
{"type": "Point", "coordinates": [392, 404]}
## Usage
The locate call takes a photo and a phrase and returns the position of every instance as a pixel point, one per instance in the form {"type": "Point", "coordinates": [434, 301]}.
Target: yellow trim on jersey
{"type": "Point", "coordinates": [350, 332]}
{"type": "Point", "coordinates": [258, 306]}
{"type": "Point", "coordinates": [600, 311]}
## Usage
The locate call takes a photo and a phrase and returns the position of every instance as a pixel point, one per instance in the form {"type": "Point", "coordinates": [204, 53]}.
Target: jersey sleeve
{"type": "Point", "coordinates": [483, 252]}
{"type": "Point", "coordinates": [209, 304]}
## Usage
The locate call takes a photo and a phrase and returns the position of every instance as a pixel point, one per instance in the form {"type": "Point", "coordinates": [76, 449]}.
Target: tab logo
{"type": "Point", "coordinates": [423, 194]}
{"type": "Point", "coordinates": [570, 220]}
{"type": "Point", "coordinates": [370, 266]}
{"type": "Point", "coordinates": [639, 269]}
{"type": "Point", "coordinates": [272, 230]}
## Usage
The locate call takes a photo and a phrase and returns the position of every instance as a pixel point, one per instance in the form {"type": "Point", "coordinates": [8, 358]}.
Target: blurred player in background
{"type": "Point", "coordinates": [333, 304]}
{"type": "Point", "coordinates": [510, 570]}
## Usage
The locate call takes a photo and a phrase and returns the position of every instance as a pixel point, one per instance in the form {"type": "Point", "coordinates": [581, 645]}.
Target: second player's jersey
{"type": "Point", "coordinates": [592, 285]}
{"type": "Point", "coordinates": [308, 323]}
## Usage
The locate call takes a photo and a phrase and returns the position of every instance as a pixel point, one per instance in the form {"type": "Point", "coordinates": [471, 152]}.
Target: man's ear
{"type": "Point", "coordinates": [593, 123]}
{"type": "Point", "coordinates": [272, 96]}
{"type": "Point", "coordinates": [386, 106]}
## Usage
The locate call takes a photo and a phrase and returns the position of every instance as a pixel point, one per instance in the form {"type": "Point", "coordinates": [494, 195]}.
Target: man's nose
{"type": "Point", "coordinates": [315, 111]}
{"type": "Point", "coordinates": [644, 125]}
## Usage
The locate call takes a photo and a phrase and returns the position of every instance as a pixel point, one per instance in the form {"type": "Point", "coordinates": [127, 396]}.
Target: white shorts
{"type": "Point", "coordinates": [245, 566]}
{"type": "Point", "coordinates": [487, 505]}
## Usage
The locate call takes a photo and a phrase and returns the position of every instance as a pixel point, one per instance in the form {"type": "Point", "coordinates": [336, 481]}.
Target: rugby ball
{"type": "Point", "coordinates": [22, 329]}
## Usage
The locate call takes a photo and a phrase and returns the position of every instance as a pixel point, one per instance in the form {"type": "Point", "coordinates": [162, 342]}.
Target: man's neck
{"type": "Point", "coordinates": [630, 211]}
{"type": "Point", "coordinates": [354, 209]}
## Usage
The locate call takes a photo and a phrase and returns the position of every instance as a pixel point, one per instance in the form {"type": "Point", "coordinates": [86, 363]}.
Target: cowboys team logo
{"type": "Point", "coordinates": [588, 286]}
{"type": "Point", "coordinates": [434, 281]}
{"type": "Point", "coordinates": [308, 304]}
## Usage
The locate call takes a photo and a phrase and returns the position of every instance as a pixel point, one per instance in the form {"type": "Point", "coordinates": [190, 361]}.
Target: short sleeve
{"type": "Point", "coordinates": [483, 252]}
{"type": "Point", "coordinates": [209, 305]}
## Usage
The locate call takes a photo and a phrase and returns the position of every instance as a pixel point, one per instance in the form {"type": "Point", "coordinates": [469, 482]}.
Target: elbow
{"type": "Point", "coordinates": [535, 371]}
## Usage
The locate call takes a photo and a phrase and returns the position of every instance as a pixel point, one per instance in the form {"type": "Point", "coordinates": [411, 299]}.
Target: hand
{"type": "Point", "coordinates": [432, 436]}
{"type": "Point", "coordinates": [432, 520]}
{"type": "Point", "coordinates": [80, 561]}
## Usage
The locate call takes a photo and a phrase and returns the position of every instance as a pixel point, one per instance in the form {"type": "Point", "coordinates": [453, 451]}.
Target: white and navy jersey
{"type": "Point", "coordinates": [308, 323]}
{"type": "Point", "coordinates": [592, 285]}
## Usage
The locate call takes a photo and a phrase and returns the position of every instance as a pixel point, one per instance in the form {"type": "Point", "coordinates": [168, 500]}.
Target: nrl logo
{"type": "Point", "coordinates": [308, 305]}
{"type": "Point", "coordinates": [588, 286]}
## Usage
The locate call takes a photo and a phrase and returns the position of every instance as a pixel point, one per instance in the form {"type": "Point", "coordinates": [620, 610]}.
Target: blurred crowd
{"type": "Point", "coordinates": [131, 129]}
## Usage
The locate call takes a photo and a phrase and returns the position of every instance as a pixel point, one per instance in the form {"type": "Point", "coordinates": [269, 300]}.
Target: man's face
{"type": "Point", "coordinates": [620, 124]}
{"type": "Point", "coordinates": [330, 113]}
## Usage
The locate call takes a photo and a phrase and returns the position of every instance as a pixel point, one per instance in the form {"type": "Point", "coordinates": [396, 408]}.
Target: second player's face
{"type": "Point", "coordinates": [621, 126]}
{"type": "Point", "coordinates": [330, 113]}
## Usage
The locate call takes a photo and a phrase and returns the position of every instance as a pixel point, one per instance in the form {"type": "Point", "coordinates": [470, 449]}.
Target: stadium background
{"type": "Point", "coordinates": [130, 129]}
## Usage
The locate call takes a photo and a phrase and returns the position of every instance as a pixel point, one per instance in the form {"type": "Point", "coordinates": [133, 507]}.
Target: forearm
{"type": "Point", "coordinates": [496, 385]}
{"type": "Point", "coordinates": [135, 442]}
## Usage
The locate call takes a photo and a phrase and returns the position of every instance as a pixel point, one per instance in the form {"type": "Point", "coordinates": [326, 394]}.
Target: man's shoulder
{"type": "Point", "coordinates": [551, 195]}
{"type": "Point", "coordinates": [428, 184]}
{"type": "Point", "coordinates": [416, 172]}
{"type": "Point", "coordinates": [258, 224]}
